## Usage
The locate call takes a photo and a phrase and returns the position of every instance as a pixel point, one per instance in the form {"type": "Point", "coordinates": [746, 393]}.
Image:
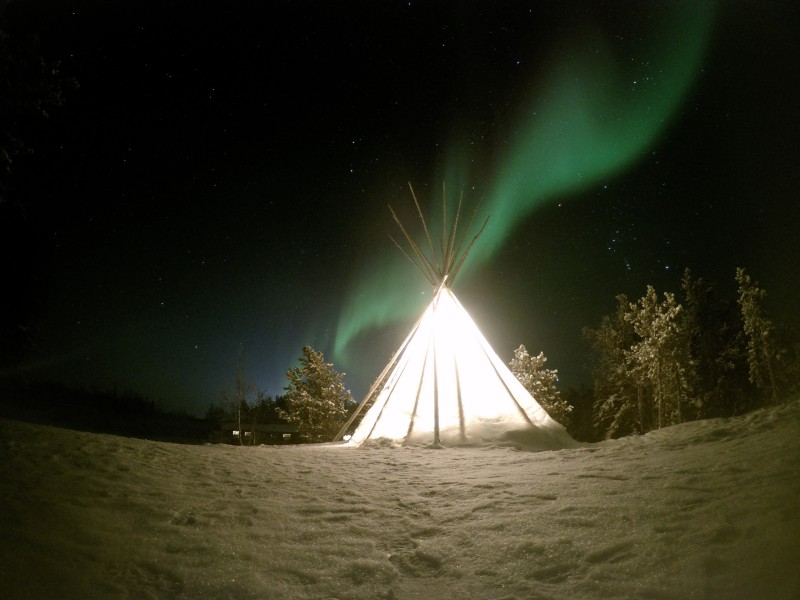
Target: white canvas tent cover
{"type": "Point", "coordinates": [445, 385]}
{"type": "Point", "coordinates": [448, 386]}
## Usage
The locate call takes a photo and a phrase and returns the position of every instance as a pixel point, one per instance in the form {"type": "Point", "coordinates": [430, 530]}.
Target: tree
{"type": "Point", "coordinates": [541, 383]}
{"type": "Point", "coordinates": [238, 399]}
{"type": "Point", "coordinates": [643, 372]}
{"type": "Point", "coordinates": [215, 415]}
{"type": "Point", "coordinates": [660, 358]}
{"type": "Point", "coordinates": [713, 332]}
{"type": "Point", "coordinates": [621, 402]}
{"type": "Point", "coordinates": [657, 362]}
{"type": "Point", "coordinates": [265, 408]}
{"type": "Point", "coordinates": [581, 422]}
{"type": "Point", "coordinates": [763, 351]}
{"type": "Point", "coordinates": [316, 399]}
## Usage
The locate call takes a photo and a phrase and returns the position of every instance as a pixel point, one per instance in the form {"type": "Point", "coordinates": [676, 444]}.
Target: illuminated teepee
{"type": "Point", "coordinates": [445, 385]}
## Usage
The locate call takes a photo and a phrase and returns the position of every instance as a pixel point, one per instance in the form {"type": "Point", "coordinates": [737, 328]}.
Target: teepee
{"type": "Point", "coordinates": [445, 385]}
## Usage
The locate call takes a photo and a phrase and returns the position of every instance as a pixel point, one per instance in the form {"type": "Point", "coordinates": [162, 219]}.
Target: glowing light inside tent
{"type": "Point", "coordinates": [448, 383]}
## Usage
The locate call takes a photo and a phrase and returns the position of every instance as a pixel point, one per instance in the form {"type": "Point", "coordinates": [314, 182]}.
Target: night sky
{"type": "Point", "coordinates": [220, 177]}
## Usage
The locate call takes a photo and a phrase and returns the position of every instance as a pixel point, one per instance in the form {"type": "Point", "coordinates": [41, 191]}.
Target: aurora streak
{"type": "Point", "coordinates": [600, 104]}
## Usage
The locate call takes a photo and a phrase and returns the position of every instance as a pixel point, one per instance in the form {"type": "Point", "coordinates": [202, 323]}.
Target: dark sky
{"type": "Point", "coordinates": [220, 176]}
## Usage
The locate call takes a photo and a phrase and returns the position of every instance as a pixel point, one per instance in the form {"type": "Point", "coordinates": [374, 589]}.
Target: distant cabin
{"type": "Point", "coordinates": [250, 435]}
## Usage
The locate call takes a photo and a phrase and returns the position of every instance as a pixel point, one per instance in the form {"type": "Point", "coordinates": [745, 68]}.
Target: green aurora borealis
{"type": "Point", "coordinates": [219, 179]}
{"type": "Point", "coordinates": [598, 106]}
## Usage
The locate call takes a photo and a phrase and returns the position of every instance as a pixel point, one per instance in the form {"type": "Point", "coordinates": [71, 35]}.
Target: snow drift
{"type": "Point", "coordinates": [702, 510]}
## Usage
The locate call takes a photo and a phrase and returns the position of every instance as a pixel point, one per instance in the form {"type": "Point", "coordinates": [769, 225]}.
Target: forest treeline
{"type": "Point", "coordinates": [315, 404]}
{"type": "Point", "coordinates": [656, 361]}
{"type": "Point", "coordinates": [117, 412]}
{"type": "Point", "coordinates": [659, 361]}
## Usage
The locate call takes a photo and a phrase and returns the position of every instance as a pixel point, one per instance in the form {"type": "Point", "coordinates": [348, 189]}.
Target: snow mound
{"type": "Point", "coordinates": [550, 436]}
{"type": "Point", "coordinates": [696, 511]}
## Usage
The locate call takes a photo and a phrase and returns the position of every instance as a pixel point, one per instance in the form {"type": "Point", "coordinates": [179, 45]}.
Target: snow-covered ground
{"type": "Point", "coordinates": [708, 509]}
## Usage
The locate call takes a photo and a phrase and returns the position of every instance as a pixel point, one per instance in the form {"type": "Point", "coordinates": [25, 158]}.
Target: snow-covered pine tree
{"type": "Point", "coordinates": [621, 403]}
{"type": "Point", "coordinates": [713, 333]}
{"type": "Point", "coordinates": [763, 351]}
{"type": "Point", "coordinates": [541, 383]}
{"type": "Point", "coordinates": [661, 356]}
{"type": "Point", "coordinates": [317, 401]}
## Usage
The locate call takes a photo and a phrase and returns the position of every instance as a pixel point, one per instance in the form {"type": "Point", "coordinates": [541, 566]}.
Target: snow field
{"type": "Point", "coordinates": [701, 510]}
